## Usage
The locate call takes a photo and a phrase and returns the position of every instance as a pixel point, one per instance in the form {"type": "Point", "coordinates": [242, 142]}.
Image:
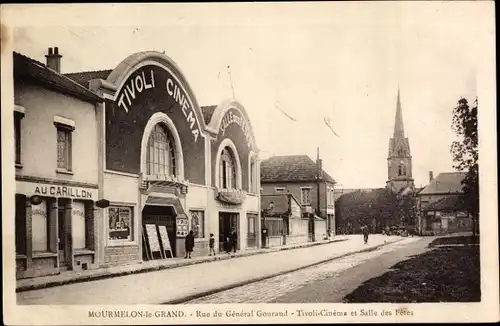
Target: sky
{"type": "Point", "coordinates": [342, 60]}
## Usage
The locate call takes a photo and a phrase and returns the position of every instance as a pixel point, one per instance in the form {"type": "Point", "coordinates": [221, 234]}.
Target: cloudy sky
{"type": "Point", "coordinates": [340, 60]}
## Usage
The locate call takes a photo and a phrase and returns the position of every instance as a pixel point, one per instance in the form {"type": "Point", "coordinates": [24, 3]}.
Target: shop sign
{"type": "Point", "coordinates": [234, 117]}
{"type": "Point", "coordinates": [48, 190]}
{"type": "Point", "coordinates": [143, 81]}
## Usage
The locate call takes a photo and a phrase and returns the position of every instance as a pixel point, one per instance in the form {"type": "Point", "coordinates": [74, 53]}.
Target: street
{"type": "Point", "coordinates": [182, 284]}
{"type": "Point", "coordinates": [328, 282]}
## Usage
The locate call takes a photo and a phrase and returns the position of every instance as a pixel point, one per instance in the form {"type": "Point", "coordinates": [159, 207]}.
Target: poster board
{"type": "Point", "coordinates": [165, 241]}
{"type": "Point", "coordinates": [152, 234]}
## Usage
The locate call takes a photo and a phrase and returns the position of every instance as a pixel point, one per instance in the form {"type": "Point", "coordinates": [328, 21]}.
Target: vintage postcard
{"type": "Point", "coordinates": [223, 163]}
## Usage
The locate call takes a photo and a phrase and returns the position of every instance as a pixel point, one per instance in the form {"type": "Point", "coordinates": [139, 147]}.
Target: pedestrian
{"type": "Point", "coordinates": [189, 244]}
{"type": "Point", "coordinates": [211, 244]}
{"type": "Point", "coordinates": [234, 240]}
{"type": "Point", "coordinates": [227, 243]}
{"type": "Point", "coordinates": [365, 231]}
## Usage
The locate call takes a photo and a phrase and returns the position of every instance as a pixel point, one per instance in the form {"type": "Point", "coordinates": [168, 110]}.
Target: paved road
{"type": "Point", "coordinates": [328, 282]}
{"type": "Point", "coordinates": [174, 285]}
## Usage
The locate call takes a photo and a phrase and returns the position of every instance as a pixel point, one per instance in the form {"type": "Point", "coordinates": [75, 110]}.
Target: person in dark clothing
{"type": "Point", "coordinates": [234, 240]}
{"type": "Point", "coordinates": [189, 243]}
{"type": "Point", "coordinates": [211, 244]}
{"type": "Point", "coordinates": [365, 231]}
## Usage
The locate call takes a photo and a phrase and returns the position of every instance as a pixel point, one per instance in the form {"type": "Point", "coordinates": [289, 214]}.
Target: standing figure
{"type": "Point", "coordinates": [365, 231]}
{"type": "Point", "coordinates": [189, 243]}
{"type": "Point", "coordinates": [211, 244]}
{"type": "Point", "coordinates": [234, 240]}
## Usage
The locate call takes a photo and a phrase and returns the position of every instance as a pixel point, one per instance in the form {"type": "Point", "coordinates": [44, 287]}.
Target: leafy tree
{"type": "Point", "coordinates": [465, 155]}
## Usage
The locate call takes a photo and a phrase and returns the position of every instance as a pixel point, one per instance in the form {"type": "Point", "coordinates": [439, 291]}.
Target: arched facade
{"type": "Point", "coordinates": [166, 170]}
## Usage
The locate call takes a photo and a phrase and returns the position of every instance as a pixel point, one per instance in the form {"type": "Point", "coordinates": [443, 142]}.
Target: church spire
{"type": "Point", "coordinates": [398, 124]}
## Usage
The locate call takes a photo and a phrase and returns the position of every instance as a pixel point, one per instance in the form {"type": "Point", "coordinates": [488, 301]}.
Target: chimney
{"type": "Point", "coordinates": [54, 59]}
{"type": "Point", "coordinates": [431, 176]}
{"type": "Point", "coordinates": [319, 165]}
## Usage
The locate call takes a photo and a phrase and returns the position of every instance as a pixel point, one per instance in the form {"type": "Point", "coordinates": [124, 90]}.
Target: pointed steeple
{"type": "Point", "coordinates": [399, 131]}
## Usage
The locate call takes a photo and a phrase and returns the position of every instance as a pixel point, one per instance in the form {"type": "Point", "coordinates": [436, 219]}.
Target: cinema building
{"type": "Point", "coordinates": [168, 166]}
{"type": "Point", "coordinates": [135, 139]}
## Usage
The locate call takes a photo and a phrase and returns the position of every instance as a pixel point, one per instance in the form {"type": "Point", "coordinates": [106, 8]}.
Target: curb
{"type": "Point", "coordinates": [31, 287]}
{"type": "Point", "coordinates": [262, 278]}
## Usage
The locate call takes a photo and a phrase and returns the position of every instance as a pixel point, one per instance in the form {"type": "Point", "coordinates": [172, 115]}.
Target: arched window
{"type": "Point", "coordinates": [227, 170]}
{"type": "Point", "coordinates": [161, 152]}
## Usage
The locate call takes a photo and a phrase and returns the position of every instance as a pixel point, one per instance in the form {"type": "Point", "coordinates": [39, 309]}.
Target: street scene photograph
{"type": "Point", "coordinates": [184, 155]}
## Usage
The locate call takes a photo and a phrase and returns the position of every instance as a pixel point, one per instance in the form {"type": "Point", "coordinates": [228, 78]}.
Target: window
{"type": "Point", "coordinates": [305, 196]}
{"type": "Point", "coordinates": [279, 190]}
{"type": "Point", "coordinates": [274, 226]}
{"type": "Point", "coordinates": [120, 223]}
{"type": "Point", "coordinates": [161, 152]}
{"type": "Point", "coordinates": [253, 185]}
{"type": "Point", "coordinates": [251, 223]}
{"type": "Point", "coordinates": [198, 223]}
{"type": "Point", "coordinates": [39, 223]}
{"type": "Point", "coordinates": [227, 170]}
{"type": "Point", "coordinates": [64, 146]}
{"type": "Point", "coordinates": [17, 135]}
{"type": "Point", "coordinates": [400, 170]}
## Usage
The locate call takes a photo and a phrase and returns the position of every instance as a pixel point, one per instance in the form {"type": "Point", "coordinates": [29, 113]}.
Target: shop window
{"type": "Point", "coordinates": [305, 196]}
{"type": "Point", "coordinates": [274, 226]}
{"type": "Point", "coordinates": [64, 146]}
{"type": "Point", "coordinates": [251, 223]}
{"type": "Point", "coordinates": [78, 225]}
{"type": "Point", "coordinates": [198, 223]}
{"type": "Point", "coordinates": [39, 227]}
{"type": "Point", "coordinates": [120, 223]}
{"type": "Point", "coordinates": [17, 136]}
{"type": "Point", "coordinates": [20, 224]}
{"type": "Point", "coordinates": [227, 170]}
{"type": "Point", "coordinates": [161, 152]}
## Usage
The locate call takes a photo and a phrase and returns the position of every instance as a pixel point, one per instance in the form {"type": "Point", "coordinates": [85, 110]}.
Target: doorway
{"type": "Point", "coordinates": [62, 234]}
{"type": "Point", "coordinates": [228, 221]}
{"type": "Point", "coordinates": [160, 216]}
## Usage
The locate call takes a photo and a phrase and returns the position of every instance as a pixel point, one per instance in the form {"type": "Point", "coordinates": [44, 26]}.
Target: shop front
{"type": "Point", "coordinates": [56, 223]}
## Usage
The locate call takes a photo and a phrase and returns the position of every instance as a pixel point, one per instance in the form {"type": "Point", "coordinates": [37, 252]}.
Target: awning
{"type": "Point", "coordinates": [172, 202]}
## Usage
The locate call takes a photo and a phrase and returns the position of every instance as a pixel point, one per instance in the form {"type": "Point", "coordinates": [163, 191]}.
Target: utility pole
{"type": "Point", "coordinates": [230, 79]}
{"type": "Point", "coordinates": [319, 176]}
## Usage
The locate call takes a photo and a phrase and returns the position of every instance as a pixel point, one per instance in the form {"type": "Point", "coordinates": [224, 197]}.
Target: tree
{"type": "Point", "coordinates": [465, 155]}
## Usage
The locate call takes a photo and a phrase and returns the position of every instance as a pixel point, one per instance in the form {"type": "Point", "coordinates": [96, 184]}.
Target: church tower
{"type": "Point", "coordinates": [399, 163]}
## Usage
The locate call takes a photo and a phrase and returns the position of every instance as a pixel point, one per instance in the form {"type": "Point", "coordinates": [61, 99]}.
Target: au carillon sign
{"type": "Point", "coordinates": [148, 90]}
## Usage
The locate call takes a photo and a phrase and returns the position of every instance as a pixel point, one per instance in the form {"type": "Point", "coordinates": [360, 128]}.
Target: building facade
{"type": "Point", "coordinates": [440, 206]}
{"type": "Point", "coordinates": [399, 160]}
{"type": "Point", "coordinates": [134, 141]}
{"type": "Point", "coordinates": [298, 175]}
{"type": "Point", "coordinates": [55, 132]}
{"type": "Point", "coordinates": [169, 166]}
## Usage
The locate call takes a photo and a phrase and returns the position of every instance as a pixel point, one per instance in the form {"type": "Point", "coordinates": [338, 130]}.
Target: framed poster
{"type": "Point", "coordinates": [165, 240]}
{"type": "Point", "coordinates": [153, 237]}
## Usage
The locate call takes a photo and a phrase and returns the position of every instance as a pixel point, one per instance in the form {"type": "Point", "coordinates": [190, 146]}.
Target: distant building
{"type": "Point", "coordinates": [399, 160]}
{"type": "Point", "coordinates": [440, 206]}
{"type": "Point", "coordinates": [298, 175]}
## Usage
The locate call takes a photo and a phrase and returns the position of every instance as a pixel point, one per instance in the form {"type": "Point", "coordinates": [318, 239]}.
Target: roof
{"type": "Point", "coordinates": [27, 69]}
{"type": "Point", "coordinates": [450, 202]}
{"type": "Point", "coordinates": [290, 168]}
{"type": "Point", "coordinates": [83, 78]}
{"type": "Point", "coordinates": [445, 183]}
{"type": "Point", "coordinates": [208, 112]}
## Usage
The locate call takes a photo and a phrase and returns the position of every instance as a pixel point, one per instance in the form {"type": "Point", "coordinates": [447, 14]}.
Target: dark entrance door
{"type": "Point", "coordinates": [227, 221]}
{"type": "Point", "coordinates": [160, 215]}
{"type": "Point", "coordinates": [62, 234]}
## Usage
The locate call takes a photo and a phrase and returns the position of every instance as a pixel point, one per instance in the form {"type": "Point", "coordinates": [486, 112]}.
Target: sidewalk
{"type": "Point", "coordinates": [149, 266]}
{"type": "Point", "coordinates": [176, 285]}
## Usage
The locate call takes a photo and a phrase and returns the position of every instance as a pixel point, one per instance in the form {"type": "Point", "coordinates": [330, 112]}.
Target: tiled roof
{"type": "Point", "coordinates": [208, 112]}
{"type": "Point", "coordinates": [290, 168]}
{"type": "Point", "coordinates": [450, 202]}
{"type": "Point", "coordinates": [27, 69]}
{"type": "Point", "coordinates": [83, 78]}
{"type": "Point", "coordinates": [445, 183]}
